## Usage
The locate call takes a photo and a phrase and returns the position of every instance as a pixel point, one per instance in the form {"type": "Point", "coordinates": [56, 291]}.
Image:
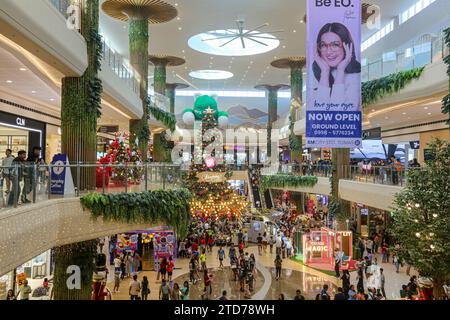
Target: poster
{"type": "Point", "coordinates": [126, 243]}
{"type": "Point", "coordinates": [58, 174]}
{"type": "Point", "coordinates": [333, 112]}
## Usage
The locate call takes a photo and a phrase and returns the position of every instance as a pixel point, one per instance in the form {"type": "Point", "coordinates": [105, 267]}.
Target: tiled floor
{"type": "Point", "coordinates": [295, 276]}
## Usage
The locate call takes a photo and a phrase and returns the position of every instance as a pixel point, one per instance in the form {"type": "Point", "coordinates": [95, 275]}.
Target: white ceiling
{"type": "Point", "coordinates": [197, 16]}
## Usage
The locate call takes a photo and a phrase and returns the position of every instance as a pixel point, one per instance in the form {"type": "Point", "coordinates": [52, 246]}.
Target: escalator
{"type": "Point", "coordinates": [260, 200]}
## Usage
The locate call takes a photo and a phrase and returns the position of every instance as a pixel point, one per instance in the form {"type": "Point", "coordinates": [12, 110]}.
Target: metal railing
{"type": "Point", "coordinates": [417, 53]}
{"type": "Point", "coordinates": [112, 59]}
{"type": "Point", "coordinates": [23, 184]}
{"type": "Point", "coordinates": [386, 175]}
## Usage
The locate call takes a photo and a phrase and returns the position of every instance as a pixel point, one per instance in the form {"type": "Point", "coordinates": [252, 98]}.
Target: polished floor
{"type": "Point", "coordinates": [295, 276]}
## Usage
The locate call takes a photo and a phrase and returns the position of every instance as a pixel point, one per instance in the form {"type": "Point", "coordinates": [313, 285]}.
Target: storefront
{"type": "Point", "coordinates": [20, 133]}
{"type": "Point", "coordinates": [34, 271]}
{"type": "Point", "coordinates": [369, 220]}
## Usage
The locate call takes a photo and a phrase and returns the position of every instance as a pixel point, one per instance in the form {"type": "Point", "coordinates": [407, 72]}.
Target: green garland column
{"type": "Point", "coordinates": [80, 108]}
{"type": "Point", "coordinates": [139, 39]}
{"type": "Point", "coordinates": [159, 80]}
{"type": "Point", "coordinates": [81, 103]}
{"type": "Point", "coordinates": [159, 84]}
{"type": "Point", "coordinates": [170, 91]}
{"type": "Point", "coordinates": [338, 207]}
{"type": "Point", "coordinates": [273, 112]}
{"type": "Point", "coordinates": [295, 142]}
{"type": "Point", "coordinates": [82, 255]}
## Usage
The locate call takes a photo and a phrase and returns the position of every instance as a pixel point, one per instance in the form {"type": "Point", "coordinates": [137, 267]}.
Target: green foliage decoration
{"type": "Point", "coordinates": [421, 217]}
{"type": "Point", "coordinates": [160, 206]}
{"type": "Point", "coordinates": [285, 180]}
{"type": "Point", "coordinates": [374, 90]}
{"type": "Point", "coordinates": [167, 118]}
{"type": "Point", "coordinates": [446, 99]}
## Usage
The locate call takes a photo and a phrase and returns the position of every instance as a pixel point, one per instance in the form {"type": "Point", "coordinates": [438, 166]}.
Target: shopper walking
{"type": "Point", "coordinates": [6, 172]}
{"type": "Point", "coordinates": [17, 174]}
{"type": "Point", "coordinates": [164, 291]}
{"type": "Point", "coordinates": [203, 260]}
{"type": "Point", "coordinates": [259, 240]}
{"type": "Point", "coordinates": [25, 291]}
{"type": "Point", "coordinates": [345, 282]}
{"type": "Point", "coordinates": [298, 295]}
{"type": "Point", "coordinates": [134, 289]}
{"type": "Point", "coordinates": [175, 293]}
{"type": "Point", "coordinates": [10, 295]}
{"type": "Point", "coordinates": [382, 282]}
{"type": "Point", "coordinates": [116, 281]}
{"type": "Point", "coordinates": [185, 291]}
{"type": "Point", "coordinates": [221, 256]}
{"type": "Point", "coordinates": [163, 269]}
{"type": "Point", "coordinates": [145, 288]}
{"type": "Point", "coordinates": [170, 267]}
{"type": "Point", "coordinates": [278, 264]}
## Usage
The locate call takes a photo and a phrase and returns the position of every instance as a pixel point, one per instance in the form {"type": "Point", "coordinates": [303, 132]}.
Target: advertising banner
{"type": "Point", "coordinates": [333, 113]}
{"type": "Point", "coordinates": [58, 174]}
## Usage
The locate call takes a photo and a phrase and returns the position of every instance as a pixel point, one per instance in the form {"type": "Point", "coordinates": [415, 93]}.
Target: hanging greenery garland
{"type": "Point", "coordinates": [446, 99]}
{"type": "Point", "coordinates": [285, 180]}
{"type": "Point", "coordinates": [168, 206]}
{"type": "Point", "coordinates": [377, 89]}
{"type": "Point", "coordinates": [167, 118]}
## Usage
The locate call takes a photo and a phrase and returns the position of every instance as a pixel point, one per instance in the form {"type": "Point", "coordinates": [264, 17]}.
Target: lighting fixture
{"type": "Point", "coordinates": [211, 74]}
{"type": "Point", "coordinates": [235, 42]}
{"type": "Point", "coordinates": [9, 81]}
{"type": "Point", "coordinates": [23, 69]}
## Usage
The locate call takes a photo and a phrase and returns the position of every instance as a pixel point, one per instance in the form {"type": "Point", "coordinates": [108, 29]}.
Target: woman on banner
{"type": "Point", "coordinates": [336, 69]}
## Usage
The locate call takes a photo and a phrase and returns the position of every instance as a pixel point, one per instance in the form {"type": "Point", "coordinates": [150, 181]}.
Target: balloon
{"type": "Point", "coordinates": [188, 118]}
{"type": "Point", "coordinates": [223, 122]}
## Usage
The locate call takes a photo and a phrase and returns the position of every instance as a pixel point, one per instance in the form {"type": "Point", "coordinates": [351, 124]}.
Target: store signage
{"type": "Point", "coordinates": [108, 129]}
{"type": "Point", "coordinates": [61, 182]}
{"type": "Point", "coordinates": [334, 113]}
{"type": "Point", "coordinates": [20, 122]}
{"type": "Point", "coordinates": [372, 134]}
{"type": "Point", "coordinates": [211, 177]}
{"type": "Point", "coordinates": [414, 144]}
{"type": "Point", "coordinates": [317, 246]}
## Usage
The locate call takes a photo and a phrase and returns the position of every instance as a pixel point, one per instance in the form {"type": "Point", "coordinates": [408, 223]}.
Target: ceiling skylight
{"type": "Point", "coordinates": [233, 42]}
{"type": "Point", "coordinates": [211, 74]}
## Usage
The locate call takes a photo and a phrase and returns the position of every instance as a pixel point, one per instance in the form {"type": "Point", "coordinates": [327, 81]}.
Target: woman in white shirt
{"type": "Point", "coordinates": [336, 69]}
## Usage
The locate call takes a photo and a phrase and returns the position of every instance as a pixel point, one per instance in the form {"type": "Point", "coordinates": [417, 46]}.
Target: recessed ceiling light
{"type": "Point", "coordinates": [33, 92]}
{"type": "Point", "coordinates": [23, 69]}
{"type": "Point", "coordinates": [386, 118]}
{"type": "Point", "coordinates": [211, 74]}
{"type": "Point", "coordinates": [426, 108]}
{"type": "Point", "coordinates": [51, 99]}
{"type": "Point", "coordinates": [373, 110]}
{"type": "Point", "coordinates": [429, 113]}
{"type": "Point", "coordinates": [180, 28]}
{"type": "Point", "coordinates": [284, 47]}
{"type": "Point", "coordinates": [183, 51]}
{"type": "Point", "coordinates": [294, 31]}
{"type": "Point", "coordinates": [178, 18]}
{"type": "Point", "coordinates": [9, 81]}
{"type": "Point", "coordinates": [404, 113]}
{"type": "Point", "coordinates": [176, 4]}
{"type": "Point", "coordinates": [223, 42]}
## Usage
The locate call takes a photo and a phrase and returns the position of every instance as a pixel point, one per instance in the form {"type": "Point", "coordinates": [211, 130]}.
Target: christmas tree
{"type": "Point", "coordinates": [421, 220]}
{"type": "Point", "coordinates": [207, 179]}
{"type": "Point", "coordinates": [127, 161]}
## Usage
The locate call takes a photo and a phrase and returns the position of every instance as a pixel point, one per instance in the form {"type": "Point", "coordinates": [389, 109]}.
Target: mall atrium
{"type": "Point", "coordinates": [232, 150]}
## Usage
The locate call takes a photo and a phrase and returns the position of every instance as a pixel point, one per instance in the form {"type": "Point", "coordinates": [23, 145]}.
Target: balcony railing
{"type": "Point", "coordinates": [415, 54]}
{"type": "Point", "coordinates": [23, 184]}
{"type": "Point", "coordinates": [386, 175]}
{"type": "Point", "coordinates": [110, 58]}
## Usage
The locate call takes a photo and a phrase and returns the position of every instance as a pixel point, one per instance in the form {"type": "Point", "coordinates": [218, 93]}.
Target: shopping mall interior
{"type": "Point", "coordinates": [194, 150]}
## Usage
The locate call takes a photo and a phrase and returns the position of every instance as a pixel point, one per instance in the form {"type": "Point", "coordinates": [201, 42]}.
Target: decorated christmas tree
{"type": "Point", "coordinates": [207, 179]}
{"type": "Point", "coordinates": [126, 161]}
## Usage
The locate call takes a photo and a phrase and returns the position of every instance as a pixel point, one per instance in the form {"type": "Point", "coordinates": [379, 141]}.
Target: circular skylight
{"type": "Point", "coordinates": [232, 42]}
{"type": "Point", "coordinates": [211, 74]}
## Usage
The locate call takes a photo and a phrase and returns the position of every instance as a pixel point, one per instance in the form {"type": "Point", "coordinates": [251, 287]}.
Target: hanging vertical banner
{"type": "Point", "coordinates": [333, 113]}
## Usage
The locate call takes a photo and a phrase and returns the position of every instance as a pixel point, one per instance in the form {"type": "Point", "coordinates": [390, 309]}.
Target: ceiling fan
{"type": "Point", "coordinates": [255, 34]}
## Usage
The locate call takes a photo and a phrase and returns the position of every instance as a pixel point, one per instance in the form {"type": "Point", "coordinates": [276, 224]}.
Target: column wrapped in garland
{"type": "Point", "coordinates": [170, 92]}
{"type": "Point", "coordinates": [161, 147]}
{"type": "Point", "coordinates": [446, 99]}
{"type": "Point", "coordinates": [295, 64]}
{"type": "Point", "coordinates": [272, 110]}
{"type": "Point", "coordinates": [80, 108]}
{"type": "Point", "coordinates": [81, 102]}
{"type": "Point", "coordinates": [339, 208]}
{"type": "Point", "coordinates": [140, 13]}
